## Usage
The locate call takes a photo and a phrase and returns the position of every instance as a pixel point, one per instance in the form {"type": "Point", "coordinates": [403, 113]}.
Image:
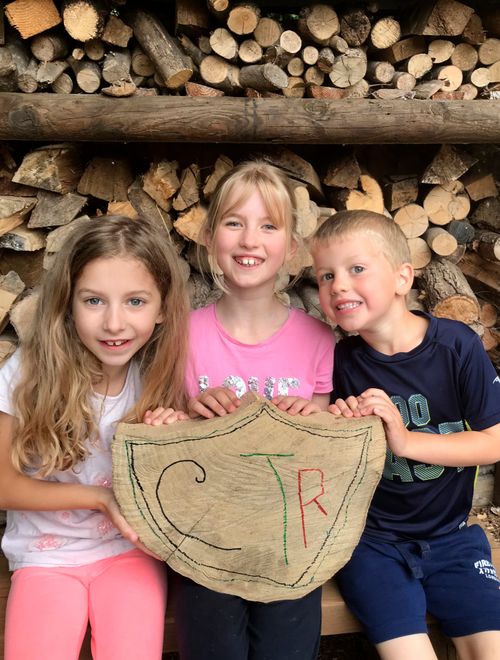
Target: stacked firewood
{"type": "Point", "coordinates": [450, 212]}
{"type": "Point", "coordinates": [443, 49]}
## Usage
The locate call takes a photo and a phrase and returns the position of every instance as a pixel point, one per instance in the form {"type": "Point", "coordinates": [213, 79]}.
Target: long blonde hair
{"type": "Point", "coordinates": [52, 399]}
{"type": "Point", "coordinates": [237, 186]}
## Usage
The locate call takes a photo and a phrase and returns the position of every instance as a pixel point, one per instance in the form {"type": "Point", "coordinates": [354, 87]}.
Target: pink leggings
{"type": "Point", "coordinates": [123, 598]}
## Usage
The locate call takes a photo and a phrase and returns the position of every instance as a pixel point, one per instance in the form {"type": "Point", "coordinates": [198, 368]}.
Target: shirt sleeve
{"type": "Point", "coordinates": [326, 346]}
{"type": "Point", "coordinates": [480, 387]}
{"type": "Point", "coordinates": [8, 378]}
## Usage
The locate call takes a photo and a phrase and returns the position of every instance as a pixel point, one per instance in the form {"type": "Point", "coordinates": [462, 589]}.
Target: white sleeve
{"type": "Point", "coordinates": [9, 372]}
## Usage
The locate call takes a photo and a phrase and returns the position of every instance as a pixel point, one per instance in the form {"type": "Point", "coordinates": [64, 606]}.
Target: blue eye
{"type": "Point", "coordinates": [93, 301]}
{"type": "Point", "coordinates": [136, 302]}
{"type": "Point", "coordinates": [326, 277]}
{"type": "Point", "coordinates": [270, 227]}
{"type": "Point", "coordinates": [358, 269]}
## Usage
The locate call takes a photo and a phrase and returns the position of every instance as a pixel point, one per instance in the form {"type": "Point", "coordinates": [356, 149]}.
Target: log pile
{"type": "Point", "coordinates": [443, 49]}
{"type": "Point", "coordinates": [449, 210]}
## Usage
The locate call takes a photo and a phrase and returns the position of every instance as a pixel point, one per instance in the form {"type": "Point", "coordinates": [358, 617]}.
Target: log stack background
{"type": "Point", "coordinates": [445, 197]}
{"type": "Point", "coordinates": [442, 49]}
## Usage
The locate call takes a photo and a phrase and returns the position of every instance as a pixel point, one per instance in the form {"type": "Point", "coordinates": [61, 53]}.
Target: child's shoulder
{"type": "Point", "coordinates": [301, 318]}
{"type": "Point", "coordinates": [10, 367]}
{"type": "Point", "coordinates": [201, 314]}
{"type": "Point", "coordinates": [451, 334]}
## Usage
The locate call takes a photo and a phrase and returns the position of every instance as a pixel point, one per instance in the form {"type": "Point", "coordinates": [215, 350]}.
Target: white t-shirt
{"type": "Point", "coordinates": [76, 537]}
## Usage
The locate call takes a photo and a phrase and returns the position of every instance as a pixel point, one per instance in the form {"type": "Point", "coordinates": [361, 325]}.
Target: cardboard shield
{"type": "Point", "coordinates": [257, 503]}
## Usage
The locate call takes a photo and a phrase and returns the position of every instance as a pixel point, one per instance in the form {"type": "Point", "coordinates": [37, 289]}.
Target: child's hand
{"type": "Point", "coordinates": [376, 402]}
{"type": "Point", "coordinates": [109, 506]}
{"type": "Point", "coordinates": [163, 416]}
{"type": "Point", "coordinates": [345, 407]}
{"type": "Point", "coordinates": [212, 402]}
{"type": "Point", "coordinates": [294, 405]}
{"type": "Point", "coordinates": [113, 513]}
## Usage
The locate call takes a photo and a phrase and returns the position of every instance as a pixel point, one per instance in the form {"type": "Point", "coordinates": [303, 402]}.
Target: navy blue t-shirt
{"type": "Point", "coordinates": [444, 385]}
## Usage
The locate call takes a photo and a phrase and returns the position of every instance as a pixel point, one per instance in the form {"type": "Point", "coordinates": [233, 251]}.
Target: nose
{"type": "Point", "coordinates": [248, 237]}
{"type": "Point", "coordinates": [114, 318]}
{"type": "Point", "coordinates": [338, 284]}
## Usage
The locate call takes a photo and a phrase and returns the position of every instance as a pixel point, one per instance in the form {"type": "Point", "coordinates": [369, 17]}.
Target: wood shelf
{"type": "Point", "coordinates": [80, 117]}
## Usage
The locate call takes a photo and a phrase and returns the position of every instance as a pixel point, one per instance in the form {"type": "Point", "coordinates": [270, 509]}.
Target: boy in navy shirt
{"type": "Point", "coordinates": [438, 396]}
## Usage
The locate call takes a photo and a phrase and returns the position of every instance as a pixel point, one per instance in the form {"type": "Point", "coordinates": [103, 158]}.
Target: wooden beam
{"type": "Point", "coordinates": [294, 121]}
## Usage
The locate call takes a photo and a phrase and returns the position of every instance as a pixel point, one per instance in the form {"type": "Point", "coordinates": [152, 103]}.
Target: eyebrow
{"type": "Point", "coordinates": [95, 292]}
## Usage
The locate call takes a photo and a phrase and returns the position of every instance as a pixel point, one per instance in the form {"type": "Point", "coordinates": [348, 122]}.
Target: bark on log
{"type": "Point", "coordinates": [87, 75]}
{"type": "Point", "coordinates": [448, 292]}
{"type": "Point", "coordinates": [175, 119]}
{"type": "Point", "coordinates": [106, 178]}
{"type": "Point", "coordinates": [462, 230]}
{"type": "Point", "coordinates": [56, 168]}
{"type": "Point", "coordinates": [442, 18]}
{"type": "Point", "coordinates": [481, 272]}
{"type": "Point", "coordinates": [440, 241]}
{"type": "Point", "coordinates": [11, 287]}
{"type": "Point", "coordinates": [49, 46]}
{"type": "Point", "coordinates": [54, 210]}
{"type": "Point", "coordinates": [172, 65]}
{"type": "Point", "coordinates": [449, 164]}
{"type": "Point", "coordinates": [399, 191]}
{"type": "Point", "coordinates": [487, 245]}
{"type": "Point", "coordinates": [355, 26]}
{"type": "Point", "coordinates": [217, 72]}
{"type": "Point", "coordinates": [116, 32]}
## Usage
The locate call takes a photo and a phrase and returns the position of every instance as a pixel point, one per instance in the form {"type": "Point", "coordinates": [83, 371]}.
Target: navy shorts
{"type": "Point", "coordinates": [390, 586]}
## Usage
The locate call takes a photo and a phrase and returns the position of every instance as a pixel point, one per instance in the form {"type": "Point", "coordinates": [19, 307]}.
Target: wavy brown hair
{"type": "Point", "coordinates": [53, 396]}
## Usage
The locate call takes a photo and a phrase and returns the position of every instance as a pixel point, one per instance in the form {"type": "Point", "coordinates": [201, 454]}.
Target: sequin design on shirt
{"type": "Point", "coordinates": [239, 387]}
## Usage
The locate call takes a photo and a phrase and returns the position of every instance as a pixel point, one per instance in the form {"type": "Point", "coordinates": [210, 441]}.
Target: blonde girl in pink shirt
{"type": "Point", "coordinates": [250, 340]}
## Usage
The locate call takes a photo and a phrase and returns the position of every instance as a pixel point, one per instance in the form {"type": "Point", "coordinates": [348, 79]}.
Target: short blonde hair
{"type": "Point", "coordinates": [237, 186]}
{"type": "Point", "coordinates": [384, 230]}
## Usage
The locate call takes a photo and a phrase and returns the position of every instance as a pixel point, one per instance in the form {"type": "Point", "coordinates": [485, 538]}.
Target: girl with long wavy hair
{"type": "Point", "coordinates": [107, 343]}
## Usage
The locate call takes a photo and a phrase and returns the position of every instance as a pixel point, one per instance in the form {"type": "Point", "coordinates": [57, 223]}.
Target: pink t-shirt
{"type": "Point", "coordinates": [297, 360]}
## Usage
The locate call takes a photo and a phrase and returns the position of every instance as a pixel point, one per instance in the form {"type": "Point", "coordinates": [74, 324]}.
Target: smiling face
{"type": "Point", "coordinates": [359, 289]}
{"type": "Point", "coordinates": [116, 306]}
{"type": "Point", "coordinates": [248, 246]}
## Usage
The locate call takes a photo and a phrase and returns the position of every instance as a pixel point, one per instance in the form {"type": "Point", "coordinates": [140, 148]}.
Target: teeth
{"type": "Point", "coordinates": [352, 305]}
{"type": "Point", "coordinates": [119, 342]}
{"type": "Point", "coordinates": [247, 261]}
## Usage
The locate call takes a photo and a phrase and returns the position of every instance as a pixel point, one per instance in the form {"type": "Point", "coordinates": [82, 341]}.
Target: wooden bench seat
{"type": "Point", "coordinates": [336, 617]}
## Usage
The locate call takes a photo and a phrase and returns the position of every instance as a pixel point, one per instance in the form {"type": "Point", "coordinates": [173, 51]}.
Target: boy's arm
{"type": "Point", "coordinates": [452, 449]}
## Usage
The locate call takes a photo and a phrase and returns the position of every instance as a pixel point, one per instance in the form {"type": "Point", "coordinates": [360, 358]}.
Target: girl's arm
{"type": "Point", "coordinates": [24, 493]}
{"type": "Point", "coordinates": [460, 449]}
